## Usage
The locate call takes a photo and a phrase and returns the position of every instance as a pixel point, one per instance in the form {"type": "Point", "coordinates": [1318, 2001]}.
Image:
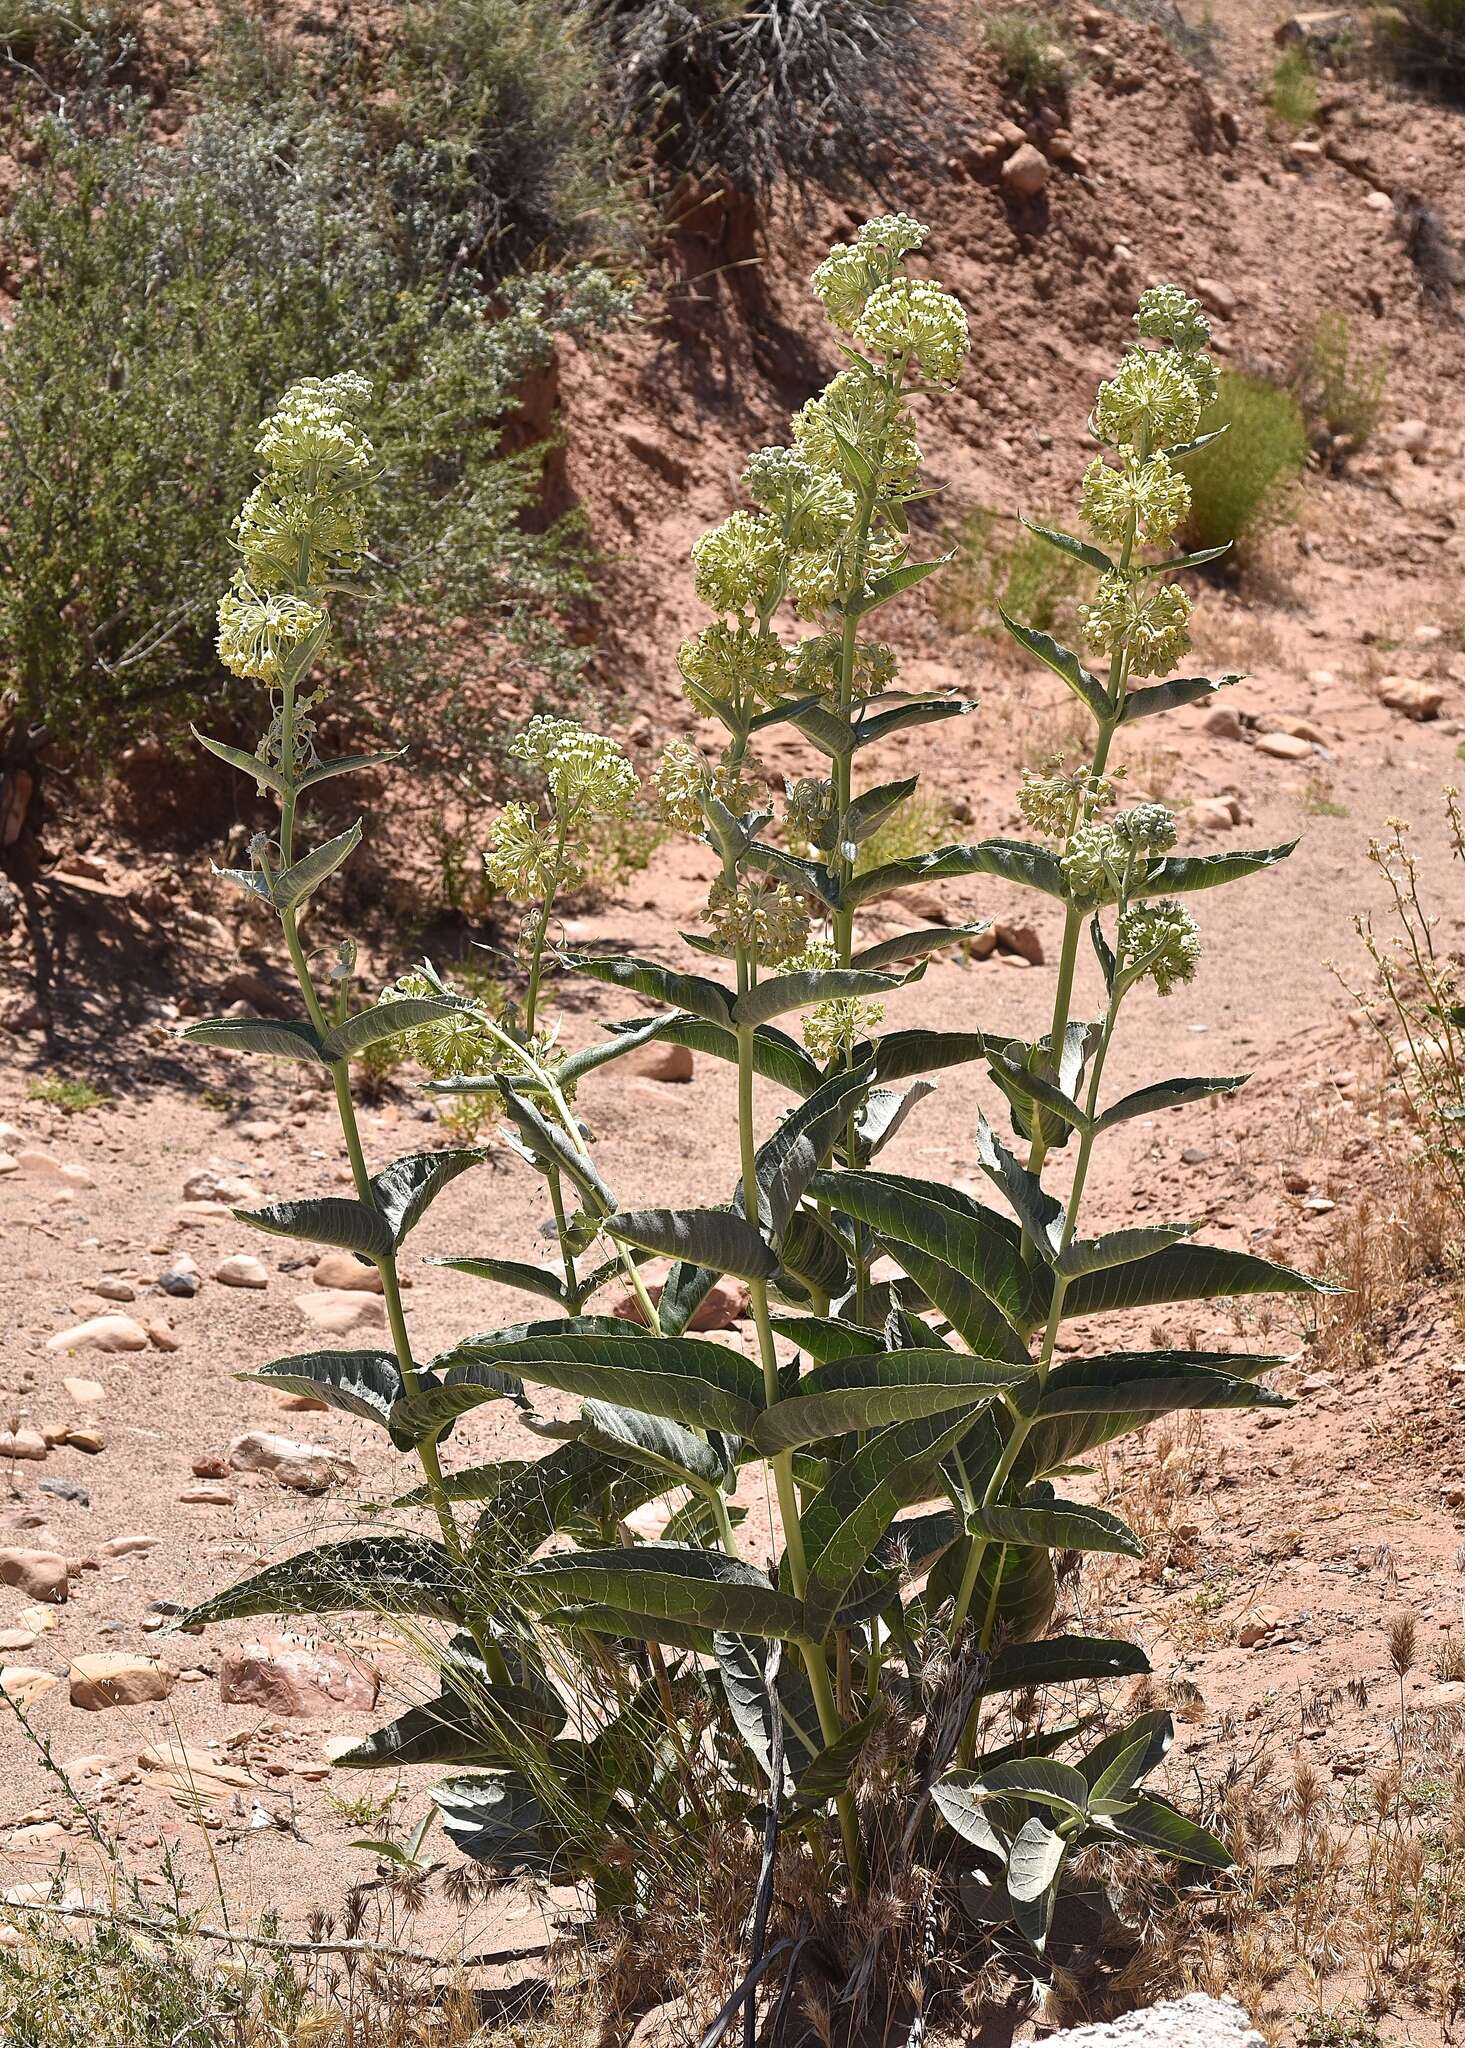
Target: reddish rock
{"type": "Point", "coordinates": [291, 1678]}
{"type": "Point", "coordinates": [117, 1679]}
{"type": "Point", "coordinates": [40, 1574]}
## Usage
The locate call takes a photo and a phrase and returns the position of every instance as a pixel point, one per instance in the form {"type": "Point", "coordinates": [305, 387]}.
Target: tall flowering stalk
{"type": "Point", "coordinates": [912, 1430]}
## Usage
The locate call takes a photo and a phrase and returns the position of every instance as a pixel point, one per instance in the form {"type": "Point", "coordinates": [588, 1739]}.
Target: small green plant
{"type": "Point", "coordinates": [71, 1097]}
{"type": "Point", "coordinates": [1340, 389]}
{"type": "Point", "coordinates": [1417, 1002]}
{"type": "Point", "coordinates": [1017, 573]}
{"type": "Point", "coordinates": [1292, 100]}
{"type": "Point", "coordinates": [1346, 2027]}
{"type": "Point", "coordinates": [917, 826]}
{"type": "Point", "coordinates": [1032, 51]}
{"type": "Point", "coordinates": [847, 1679]}
{"type": "Point", "coordinates": [1243, 476]}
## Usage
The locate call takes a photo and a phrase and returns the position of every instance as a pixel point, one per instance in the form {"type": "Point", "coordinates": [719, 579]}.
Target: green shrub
{"type": "Point", "coordinates": [67, 43]}
{"type": "Point", "coordinates": [1005, 567]}
{"type": "Point", "coordinates": [1340, 390]}
{"type": "Point", "coordinates": [1032, 52]}
{"type": "Point", "coordinates": [1245, 482]}
{"type": "Point", "coordinates": [174, 290]}
{"type": "Point", "coordinates": [740, 95]}
{"type": "Point", "coordinates": [1292, 100]}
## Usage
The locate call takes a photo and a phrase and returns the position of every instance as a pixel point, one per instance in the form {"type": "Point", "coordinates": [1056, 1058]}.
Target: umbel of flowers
{"type": "Point", "coordinates": [604, 1700]}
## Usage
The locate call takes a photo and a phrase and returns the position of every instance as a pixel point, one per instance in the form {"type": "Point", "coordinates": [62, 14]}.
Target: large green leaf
{"type": "Point", "coordinates": [806, 986]}
{"type": "Point", "coordinates": [346, 764]}
{"type": "Point", "coordinates": [901, 1054]}
{"type": "Point", "coordinates": [873, 806]}
{"type": "Point", "coordinates": [1153, 697]}
{"type": "Point", "coordinates": [405, 1189]}
{"type": "Point", "coordinates": [1185, 1272]}
{"type": "Point", "coordinates": [369, 1574]}
{"type": "Point", "coordinates": [1041, 1215]}
{"type": "Point", "coordinates": [776, 1056]}
{"type": "Point", "coordinates": [367, 1384]}
{"type": "Point", "coordinates": [1090, 1401]}
{"type": "Point", "coordinates": [1015, 860]}
{"type": "Point", "coordinates": [1034, 1864]}
{"type": "Point", "coordinates": [297, 884]}
{"type": "Point", "coordinates": [1167, 1095]}
{"type": "Point", "coordinates": [387, 1020]}
{"type": "Point", "coordinates": [489, 1727]}
{"type": "Point", "coordinates": [684, 1379]}
{"type": "Point", "coordinates": [844, 1523]}
{"type": "Point", "coordinates": [1055, 1525]}
{"type": "Point", "coordinates": [1179, 874]}
{"type": "Point", "coordinates": [937, 1219]}
{"type": "Point", "coordinates": [427, 1414]}
{"type": "Point", "coordinates": [1115, 1765]}
{"type": "Point", "coordinates": [680, 1456]}
{"type": "Point", "coordinates": [881, 1115]}
{"type": "Point", "coordinates": [942, 864]}
{"type": "Point", "coordinates": [1080, 550]}
{"type": "Point", "coordinates": [550, 1146]}
{"type": "Point", "coordinates": [1156, 1825]}
{"type": "Point", "coordinates": [741, 1665]}
{"type": "Point", "coordinates": [692, 992]}
{"type": "Point", "coordinates": [1063, 662]}
{"type": "Point", "coordinates": [719, 1239]}
{"type": "Point", "coordinates": [1062, 1660]}
{"type": "Point", "coordinates": [326, 1219]}
{"type": "Point", "coordinates": [787, 1162]}
{"type": "Point", "coordinates": [880, 1388]}
{"type": "Point", "coordinates": [1118, 1247]}
{"type": "Point", "coordinates": [829, 733]}
{"type": "Point", "coordinates": [510, 1273]}
{"type": "Point", "coordinates": [980, 1325]}
{"type": "Point", "coordinates": [499, 1821]}
{"type": "Point", "coordinates": [266, 773]}
{"type": "Point", "coordinates": [268, 1035]}
{"type": "Point", "coordinates": [662, 1582]}
{"type": "Point", "coordinates": [916, 945]}
{"type": "Point", "coordinates": [825, 1337]}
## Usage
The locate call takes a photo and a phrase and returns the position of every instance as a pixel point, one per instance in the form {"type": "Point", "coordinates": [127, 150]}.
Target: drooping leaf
{"type": "Point", "coordinates": [692, 992]}
{"type": "Point", "coordinates": [1015, 1069]}
{"type": "Point", "coordinates": [405, 1190]}
{"type": "Point", "coordinates": [1062, 1660]}
{"type": "Point", "coordinates": [268, 1035]}
{"type": "Point", "coordinates": [776, 1056]}
{"type": "Point", "coordinates": [1055, 1525]}
{"type": "Point", "coordinates": [654, 1583]}
{"type": "Point", "coordinates": [426, 1415]}
{"type": "Point", "coordinates": [362, 1383]}
{"type": "Point", "coordinates": [1118, 1247]}
{"type": "Point", "coordinates": [881, 1115]}
{"type": "Point", "coordinates": [685, 1379]}
{"type": "Point", "coordinates": [1016, 860]}
{"type": "Point", "coordinates": [326, 1219]}
{"type": "Point", "coordinates": [787, 1162]}
{"type": "Point", "coordinates": [942, 864]}
{"type": "Point", "coordinates": [1160, 1095]}
{"type": "Point", "coordinates": [1153, 697]}
{"type": "Point", "coordinates": [548, 1145]}
{"type": "Point", "coordinates": [975, 1319]}
{"type": "Point", "coordinates": [818, 1254]}
{"type": "Point", "coordinates": [719, 1239]}
{"type": "Point", "coordinates": [1090, 1401]}
{"type": "Point", "coordinates": [901, 1054]}
{"type": "Point", "coordinates": [803, 987]}
{"type": "Point", "coordinates": [842, 1526]}
{"type": "Point", "coordinates": [372, 1574]}
{"type": "Point", "coordinates": [1114, 1766]}
{"type": "Point", "coordinates": [510, 1273]}
{"type": "Point", "coordinates": [828, 1774]}
{"type": "Point", "coordinates": [1080, 550]}
{"type": "Point", "coordinates": [678, 1454]}
{"type": "Point", "coordinates": [878, 1389]}
{"type": "Point", "coordinates": [825, 1337]}
{"type": "Point", "coordinates": [498, 1821]}
{"type": "Point", "coordinates": [1034, 1863]}
{"type": "Point", "coordinates": [1039, 1213]}
{"type": "Point", "coordinates": [1185, 1272]}
{"type": "Point", "coordinates": [741, 1665]}
{"type": "Point", "coordinates": [1063, 662]}
{"type": "Point", "coordinates": [916, 945]}
{"type": "Point", "coordinates": [387, 1020]}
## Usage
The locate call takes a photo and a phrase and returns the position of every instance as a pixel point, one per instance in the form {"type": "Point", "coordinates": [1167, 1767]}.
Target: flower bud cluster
{"type": "Point", "coordinates": [1050, 803]}
{"type": "Point", "coordinates": [830, 1030]}
{"type": "Point", "coordinates": [1152, 629]}
{"type": "Point", "coordinates": [854, 405]}
{"type": "Point", "coordinates": [735, 566]}
{"type": "Point", "coordinates": [449, 1046]}
{"type": "Point", "coordinates": [520, 859]}
{"type": "Point", "coordinates": [685, 780]}
{"type": "Point", "coordinates": [740, 664]}
{"type": "Point", "coordinates": [810, 808]}
{"type": "Point", "coordinates": [769, 924]}
{"type": "Point", "coordinates": [1160, 940]}
{"type": "Point", "coordinates": [817, 667]}
{"type": "Point", "coordinates": [257, 631]}
{"type": "Point", "coordinates": [1144, 499]}
{"type": "Point", "coordinates": [850, 273]}
{"type": "Point", "coordinates": [1150, 402]}
{"type": "Point", "coordinates": [585, 770]}
{"type": "Point", "coordinates": [913, 320]}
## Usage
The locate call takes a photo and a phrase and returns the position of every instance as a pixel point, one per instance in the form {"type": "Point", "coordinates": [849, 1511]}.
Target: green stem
{"type": "Point", "coordinates": [562, 1229]}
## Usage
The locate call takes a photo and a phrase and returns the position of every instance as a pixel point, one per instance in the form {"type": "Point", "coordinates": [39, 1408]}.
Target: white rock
{"type": "Point", "coordinates": [112, 1289]}
{"type": "Point", "coordinates": [337, 1313]}
{"type": "Point", "coordinates": [309, 1468]}
{"type": "Point", "coordinates": [118, 1678]}
{"type": "Point", "coordinates": [1415, 699]}
{"type": "Point", "coordinates": [41, 1166]}
{"type": "Point", "coordinates": [102, 1333]}
{"type": "Point", "coordinates": [1196, 2021]}
{"type": "Point", "coordinates": [242, 1269]}
{"type": "Point", "coordinates": [25, 1684]}
{"type": "Point", "coordinates": [1284, 746]}
{"type": "Point", "coordinates": [339, 1269]}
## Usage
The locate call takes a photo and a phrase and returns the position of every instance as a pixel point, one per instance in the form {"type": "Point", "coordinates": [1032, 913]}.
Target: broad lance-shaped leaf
{"type": "Point", "coordinates": [900, 1054]}
{"type": "Point", "coordinates": [405, 1189]}
{"type": "Point", "coordinates": [719, 1239]}
{"type": "Point", "coordinates": [873, 806]}
{"type": "Point", "coordinates": [788, 1161]}
{"type": "Point", "coordinates": [1115, 1765]}
{"type": "Point", "coordinates": [844, 1523]}
{"type": "Point", "coordinates": [1153, 697]}
{"type": "Point", "coordinates": [268, 1035]}
{"type": "Point", "coordinates": [1168, 1095]}
{"type": "Point", "coordinates": [829, 733]}
{"type": "Point", "coordinates": [346, 764]}
{"type": "Point", "coordinates": [1090, 1401]}
{"type": "Point", "coordinates": [941, 865]}
{"type": "Point", "coordinates": [1179, 874]}
{"type": "Point", "coordinates": [692, 992]}
{"type": "Point", "coordinates": [685, 1379]}
{"type": "Point", "coordinates": [877, 1389]}
{"type": "Point", "coordinates": [510, 1273]}
{"type": "Point", "coordinates": [1062, 1660]}
{"type": "Point", "coordinates": [1185, 1272]}
{"type": "Point", "coordinates": [297, 884]}
{"type": "Point", "coordinates": [1063, 662]}
{"type": "Point", "coordinates": [975, 1241]}
{"type": "Point", "coordinates": [1009, 860]}
{"type": "Point", "coordinates": [370, 1574]}
{"type": "Point", "coordinates": [976, 1320]}
{"type": "Point", "coordinates": [426, 1415]}
{"type": "Point", "coordinates": [804, 987]}
{"type": "Point", "coordinates": [548, 1145]}
{"type": "Point", "coordinates": [1118, 1247]}
{"type": "Point", "coordinates": [776, 1056]}
{"type": "Point", "coordinates": [741, 1665]}
{"type": "Point", "coordinates": [266, 773]}
{"type": "Point", "coordinates": [676, 1453]}
{"type": "Point", "coordinates": [826, 1337]}
{"type": "Point", "coordinates": [1055, 1525]}
{"type": "Point", "coordinates": [498, 1821]}
{"type": "Point", "coordinates": [358, 1034]}
{"type": "Point", "coordinates": [326, 1219]}
{"type": "Point", "coordinates": [1155, 1824]}
{"type": "Point", "coordinates": [475, 1719]}
{"type": "Point", "coordinates": [1040, 1215]}
{"type": "Point", "coordinates": [916, 945]}
{"type": "Point", "coordinates": [367, 1384]}
{"type": "Point", "coordinates": [881, 1115]}
{"type": "Point", "coordinates": [1015, 1069]}
{"type": "Point", "coordinates": [654, 1583]}
{"type": "Point", "coordinates": [1067, 544]}
{"type": "Point", "coordinates": [1034, 1864]}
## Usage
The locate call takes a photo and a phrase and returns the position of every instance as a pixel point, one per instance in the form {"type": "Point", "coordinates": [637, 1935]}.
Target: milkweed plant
{"type": "Point", "coordinates": [902, 1401]}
